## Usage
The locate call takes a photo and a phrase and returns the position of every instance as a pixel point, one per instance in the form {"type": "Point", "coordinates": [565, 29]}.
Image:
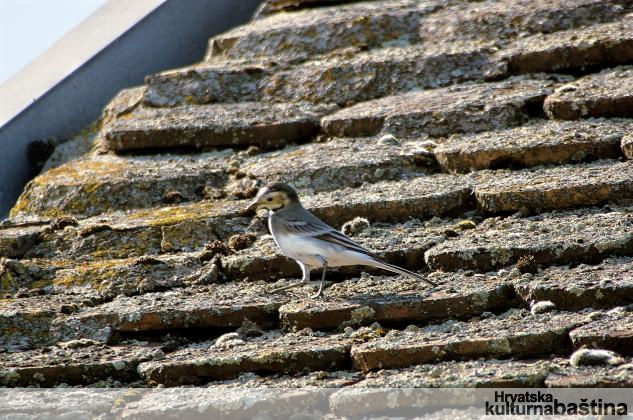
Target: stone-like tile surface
{"type": "Point", "coordinates": [189, 227]}
{"type": "Point", "coordinates": [341, 162]}
{"type": "Point", "coordinates": [343, 79]}
{"type": "Point", "coordinates": [575, 49]}
{"type": "Point", "coordinates": [398, 300]}
{"type": "Point", "coordinates": [320, 379]}
{"type": "Point", "coordinates": [265, 125]}
{"type": "Point", "coordinates": [504, 20]}
{"type": "Point", "coordinates": [382, 72]}
{"type": "Point", "coordinates": [490, 373]}
{"type": "Point", "coordinates": [612, 331]}
{"type": "Point", "coordinates": [274, 353]}
{"type": "Point", "coordinates": [16, 241]}
{"type": "Point", "coordinates": [513, 334]}
{"type": "Point", "coordinates": [23, 273]}
{"type": "Point", "coordinates": [106, 183]}
{"type": "Point", "coordinates": [214, 306]}
{"type": "Point", "coordinates": [587, 286]}
{"type": "Point", "coordinates": [604, 94]}
{"type": "Point", "coordinates": [535, 143]}
{"type": "Point", "coordinates": [207, 82]}
{"type": "Point", "coordinates": [124, 103]}
{"type": "Point", "coordinates": [466, 108]}
{"type": "Point", "coordinates": [79, 362]}
{"type": "Point", "coordinates": [482, 373]}
{"type": "Point", "coordinates": [567, 376]}
{"type": "Point", "coordinates": [142, 232]}
{"type": "Point", "coordinates": [26, 322]}
{"type": "Point", "coordinates": [394, 201]}
{"type": "Point", "coordinates": [99, 184]}
{"type": "Point", "coordinates": [582, 236]}
{"type": "Point", "coordinates": [557, 187]}
{"type": "Point", "coordinates": [299, 35]}
{"type": "Point", "coordinates": [128, 276]}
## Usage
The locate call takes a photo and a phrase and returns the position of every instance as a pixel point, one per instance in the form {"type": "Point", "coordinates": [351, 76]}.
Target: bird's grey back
{"type": "Point", "coordinates": [290, 220]}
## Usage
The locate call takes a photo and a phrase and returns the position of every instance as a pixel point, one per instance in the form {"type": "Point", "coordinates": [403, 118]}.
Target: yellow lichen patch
{"type": "Point", "coordinates": [140, 242]}
{"type": "Point", "coordinates": [88, 175]}
{"type": "Point", "coordinates": [23, 202]}
{"type": "Point", "coordinates": [172, 215]}
{"type": "Point", "coordinates": [8, 283]}
{"type": "Point", "coordinates": [72, 272]}
{"type": "Point", "coordinates": [464, 225]}
{"type": "Point", "coordinates": [192, 100]}
{"type": "Point", "coordinates": [94, 273]}
{"type": "Point", "coordinates": [296, 153]}
{"type": "Point", "coordinates": [80, 172]}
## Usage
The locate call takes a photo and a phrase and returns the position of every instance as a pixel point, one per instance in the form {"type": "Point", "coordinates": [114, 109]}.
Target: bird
{"type": "Point", "coordinates": [311, 242]}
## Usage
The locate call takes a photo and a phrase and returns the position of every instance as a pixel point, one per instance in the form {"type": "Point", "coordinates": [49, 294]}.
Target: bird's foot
{"type": "Point", "coordinates": [318, 294]}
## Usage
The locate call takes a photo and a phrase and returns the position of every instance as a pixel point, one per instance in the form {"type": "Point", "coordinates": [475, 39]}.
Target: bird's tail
{"type": "Point", "coordinates": [400, 270]}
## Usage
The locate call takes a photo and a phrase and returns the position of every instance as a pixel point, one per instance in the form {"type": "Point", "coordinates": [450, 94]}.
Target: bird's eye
{"type": "Point", "coordinates": [270, 199]}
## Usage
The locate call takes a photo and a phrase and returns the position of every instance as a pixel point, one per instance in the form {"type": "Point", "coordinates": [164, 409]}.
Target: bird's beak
{"type": "Point", "coordinates": [252, 206]}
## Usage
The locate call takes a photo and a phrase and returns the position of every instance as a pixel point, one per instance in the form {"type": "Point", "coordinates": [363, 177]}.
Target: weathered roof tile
{"type": "Point", "coordinates": [504, 20]}
{"type": "Point", "coordinates": [581, 236]}
{"type": "Point", "coordinates": [288, 353]}
{"type": "Point", "coordinates": [587, 286]}
{"type": "Point", "coordinates": [557, 187]}
{"type": "Point", "coordinates": [613, 331]}
{"type": "Point", "coordinates": [467, 108]}
{"type": "Point", "coordinates": [398, 300]}
{"type": "Point", "coordinates": [538, 142]}
{"type": "Point", "coordinates": [345, 78]}
{"type": "Point", "coordinates": [215, 125]}
{"type": "Point", "coordinates": [298, 35]}
{"type": "Point", "coordinates": [99, 184]}
{"type": "Point", "coordinates": [473, 373]}
{"type": "Point", "coordinates": [377, 73]}
{"type": "Point", "coordinates": [16, 241]}
{"type": "Point", "coordinates": [605, 94]}
{"type": "Point", "coordinates": [513, 334]}
{"type": "Point", "coordinates": [575, 49]}
{"type": "Point", "coordinates": [211, 306]}
{"type": "Point", "coordinates": [73, 363]}
{"type": "Point", "coordinates": [342, 162]}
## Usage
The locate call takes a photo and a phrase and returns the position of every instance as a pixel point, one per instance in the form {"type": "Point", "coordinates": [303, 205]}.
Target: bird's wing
{"type": "Point", "coordinates": [316, 228]}
{"type": "Point", "coordinates": [337, 237]}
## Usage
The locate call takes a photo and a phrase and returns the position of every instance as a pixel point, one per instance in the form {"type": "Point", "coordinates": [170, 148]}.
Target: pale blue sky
{"type": "Point", "coordinates": [29, 27]}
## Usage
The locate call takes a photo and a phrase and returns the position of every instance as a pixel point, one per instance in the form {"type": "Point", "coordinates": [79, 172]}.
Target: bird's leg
{"type": "Point", "coordinates": [319, 293]}
{"type": "Point", "coordinates": [304, 280]}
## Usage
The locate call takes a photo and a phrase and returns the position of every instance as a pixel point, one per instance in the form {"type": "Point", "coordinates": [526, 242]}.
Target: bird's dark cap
{"type": "Point", "coordinates": [280, 186]}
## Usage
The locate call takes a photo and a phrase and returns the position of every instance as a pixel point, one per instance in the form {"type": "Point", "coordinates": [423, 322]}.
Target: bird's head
{"type": "Point", "coordinates": [274, 196]}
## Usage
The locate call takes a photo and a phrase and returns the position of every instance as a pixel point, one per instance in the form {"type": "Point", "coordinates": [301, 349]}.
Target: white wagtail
{"type": "Point", "coordinates": [303, 237]}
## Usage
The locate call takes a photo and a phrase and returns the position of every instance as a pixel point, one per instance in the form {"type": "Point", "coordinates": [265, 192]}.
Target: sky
{"type": "Point", "coordinates": [29, 27]}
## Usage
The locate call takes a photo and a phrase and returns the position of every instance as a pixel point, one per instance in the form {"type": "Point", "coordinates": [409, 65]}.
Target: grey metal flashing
{"type": "Point", "coordinates": [66, 88]}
